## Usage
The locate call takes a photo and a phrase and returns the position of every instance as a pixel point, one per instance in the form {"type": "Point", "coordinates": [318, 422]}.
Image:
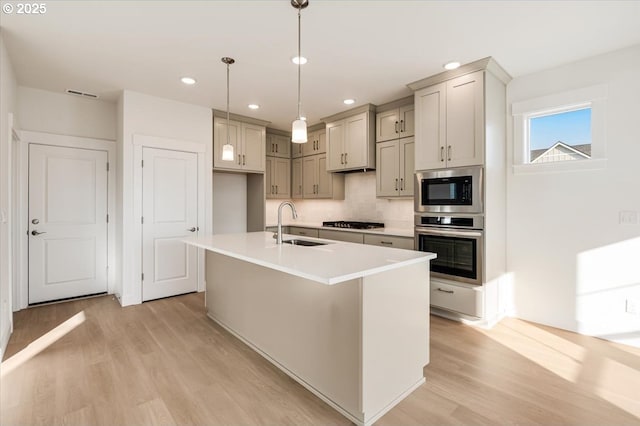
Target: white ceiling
{"type": "Point", "coordinates": [367, 50]}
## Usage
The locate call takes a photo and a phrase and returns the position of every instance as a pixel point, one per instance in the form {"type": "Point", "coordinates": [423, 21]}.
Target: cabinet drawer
{"type": "Point", "coordinates": [385, 241]}
{"type": "Point", "coordinates": [465, 300]}
{"type": "Point", "coordinates": [306, 232]}
{"type": "Point", "coordinates": [350, 237]}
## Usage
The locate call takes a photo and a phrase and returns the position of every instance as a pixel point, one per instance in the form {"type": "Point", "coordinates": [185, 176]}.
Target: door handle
{"type": "Point", "coordinates": [396, 127]}
{"type": "Point", "coordinates": [401, 126]}
{"type": "Point", "coordinates": [244, 160]}
{"type": "Point", "coordinates": [341, 158]}
{"type": "Point", "coordinates": [396, 184]}
{"type": "Point", "coordinates": [449, 153]}
{"type": "Point", "coordinates": [345, 157]}
{"type": "Point", "coordinates": [401, 184]}
{"type": "Point", "coordinates": [193, 229]}
{"type": "Point", "coordinates": [442, 153]}
{"type": "Point", "coordinates": [239, 159]}
{"type": "Point", "coordinates": [276, 189]}
{"type": "Point", "coordinates": [34, 232]}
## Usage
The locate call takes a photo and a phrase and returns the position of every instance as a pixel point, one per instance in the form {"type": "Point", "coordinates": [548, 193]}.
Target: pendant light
{"type": "Point", "coordinates": [299, 126]}
{"type": "Point", "coordinates": [227, 149]}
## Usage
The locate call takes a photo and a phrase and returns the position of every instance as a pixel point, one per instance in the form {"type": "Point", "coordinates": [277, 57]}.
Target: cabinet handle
{"type": "Point", "coordinates": [272, 189]}
{"type": "Point", "coordinates": [345, 157]}
{"type": "Point", "coordinates": [299, 189]}
{"type": "Point", "coordinates": [401, 184]}
{"type": "Point", "coordinates": [239, 159]}
{"type": "Point", "coordinates": [244, 160]}
{"type": "Point", "coordinates": [276, 189]}
{"type": "Point", "coordinates": [401, 126]}
{"type": "Point", "coordinates": [341, 158]}
{"type": "Point", "coordinates": [396, 184]}
{"type": "Point", "coordinates": [442, 153]}
{"type": "Point", "coordinates": [317, 190]}
{"type": "Point", "coordinates": [449, 153]}
{"type": "Point", "coordinates": [387, 243]}
{"type": "Point", "coordinates": [276, 148]}
{"type": "Point", "coordinates": [445, 291]}
{"type": "Point", "coordinates": [396, 127]}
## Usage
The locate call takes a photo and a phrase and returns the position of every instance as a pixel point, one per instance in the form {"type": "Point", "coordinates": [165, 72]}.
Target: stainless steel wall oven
{"type": "Point", "coordinates": [458, 242]}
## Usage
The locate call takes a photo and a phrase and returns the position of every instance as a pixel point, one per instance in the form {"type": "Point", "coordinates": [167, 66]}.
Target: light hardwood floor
{"type": "Point", "coordinates": [165, 362]}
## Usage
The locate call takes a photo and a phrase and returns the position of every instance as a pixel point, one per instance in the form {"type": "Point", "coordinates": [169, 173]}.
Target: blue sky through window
{"type": "Point", "coordinates": [572, 128]}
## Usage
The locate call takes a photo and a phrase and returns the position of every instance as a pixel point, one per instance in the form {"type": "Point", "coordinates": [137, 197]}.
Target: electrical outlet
{"type": "Point", "coordinates": [632, 307]}
{"type": "Point", "coordinates": [628, 217]}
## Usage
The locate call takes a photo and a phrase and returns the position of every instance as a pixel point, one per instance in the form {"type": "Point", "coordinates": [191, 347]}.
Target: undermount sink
{"type": "Point", "coordinates": [304, 243]}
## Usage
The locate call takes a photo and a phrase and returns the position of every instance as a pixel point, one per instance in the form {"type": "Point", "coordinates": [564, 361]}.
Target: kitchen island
{"type": "Point", "coordinates": [348, 322]}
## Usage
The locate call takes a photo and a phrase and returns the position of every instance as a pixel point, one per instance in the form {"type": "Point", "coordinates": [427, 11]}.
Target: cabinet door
{"type": "Point", "coordinates": [309, 147]}
{"type": "Point", "coordinates": [387, 125]}
{"type": "Point", "coordinates": [407, 122]}
{"type": "Point", "coordinates": [296, 178]}
{"type": "Point", "coordinates": [387, 169]}
{"type": "Point", "coordinates": [348, 236]}
{"type": "Point", "coordinates": [309, 176]}
{"type": "Point", "coordinates": [324, 188]}
{"type": "Point", "coordinates": [335, 145]}
{"type": "Point", "coordinates": [271, 145]}
{"type": "Point", "coordinates": [220, 138]}
{"type": "Point", "coordinates": [297, 149]}
{"type": "Point", "coordinates": [356, 142]}
{"type": "Point", "coordinates": [282, 180]}
{"type": "Point", "coordinates": [465, 118]}
{"type": "Point", "coordinates": [282, 146]}
{"type": "Point", "coordinates": [321, 141]}
{"type": "Point", "coordinates": [407, 166]}
{"type": "Point", "coordinates": [430, 127]}
{"type": "Point", "coordinates": [253, 147]}
{"type": "Point", "coordinates": [269, 185]}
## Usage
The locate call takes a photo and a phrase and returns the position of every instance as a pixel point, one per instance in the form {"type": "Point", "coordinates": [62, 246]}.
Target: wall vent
{"type": "Point", "coordinates": [79, 93]}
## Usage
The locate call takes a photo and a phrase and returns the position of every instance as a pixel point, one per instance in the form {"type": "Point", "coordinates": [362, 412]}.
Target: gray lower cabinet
{"type": "Point", "coordinates": [304, 232]}
{"type": "Point", "coordinates": [465, 299]}
{"type": "Point", "coordinates": [389, 241]}
{"type": "Point", "coordinates": [350, 237]}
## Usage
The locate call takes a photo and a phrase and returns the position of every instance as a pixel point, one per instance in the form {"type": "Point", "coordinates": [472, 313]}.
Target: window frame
{"type": "Point", "coordinates": [593, 97]}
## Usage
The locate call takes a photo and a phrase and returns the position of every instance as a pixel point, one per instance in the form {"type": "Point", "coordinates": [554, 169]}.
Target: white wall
{"type": "Point", "coordinates": [140, 114]}
{"type": "Point", "coordinates": [64, 114]}
{"type": "Point", "coordinates": [229, 203]}
{"type": "Point", "coordinates": [8, 93]}
{"type": "Point", "coordinates": [573, 263]}
{"type": "Point", "coordinates": [360, 203]}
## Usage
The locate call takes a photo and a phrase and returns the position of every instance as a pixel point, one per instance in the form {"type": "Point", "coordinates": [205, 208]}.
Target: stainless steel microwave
{"type": "Point", "coordinates": [449, 191]}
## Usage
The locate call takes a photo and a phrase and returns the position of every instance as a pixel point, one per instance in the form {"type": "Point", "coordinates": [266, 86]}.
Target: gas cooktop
{"type": "Point", "coordinates": [353, 224]}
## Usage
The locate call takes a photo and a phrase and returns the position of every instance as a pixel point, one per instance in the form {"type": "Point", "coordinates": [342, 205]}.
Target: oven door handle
{"type": "Point", "coordinates": [451, 233]}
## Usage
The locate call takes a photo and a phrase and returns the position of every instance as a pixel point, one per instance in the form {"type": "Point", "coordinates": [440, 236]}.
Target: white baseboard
{"type": "Point", "coordinates": [5, 334]}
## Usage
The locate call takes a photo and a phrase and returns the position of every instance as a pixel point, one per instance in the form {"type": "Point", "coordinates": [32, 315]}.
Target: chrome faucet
{"type": "Point", "coordinates": [295, 216]}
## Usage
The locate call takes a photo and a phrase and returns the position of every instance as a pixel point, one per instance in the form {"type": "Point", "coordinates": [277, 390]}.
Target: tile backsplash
{"type": "Point", "coordinates": [360, 203]}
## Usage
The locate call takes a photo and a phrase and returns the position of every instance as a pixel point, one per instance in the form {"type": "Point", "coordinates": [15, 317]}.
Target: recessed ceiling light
{"type": "Point", "coordinates": [188, 80]}
{"type": "Point", "coordinates": [349, 101]}
{"type": "Point", "coordinates": [451, 65]}
{"type": "Point", "coordinates": [302, 60]}
{"type": "Point", "coordinates": [253, 106]}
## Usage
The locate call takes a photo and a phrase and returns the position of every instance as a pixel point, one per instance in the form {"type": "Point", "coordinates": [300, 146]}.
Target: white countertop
{"type": "Point", "coordinates": [328, 264]}
{"type": "Point", "coordinates": [394, 232]}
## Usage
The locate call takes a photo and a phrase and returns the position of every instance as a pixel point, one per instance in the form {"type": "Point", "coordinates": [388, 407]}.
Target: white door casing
{"type": "Point", "coordinates": [67, 222]}
{"type": "Point", "coordinates": [170, 213]}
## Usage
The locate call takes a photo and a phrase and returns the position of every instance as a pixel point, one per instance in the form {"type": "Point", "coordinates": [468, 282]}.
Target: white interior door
{"type": "Point", "coordinates": [170, 213]}
{"type": "Point", "coordinates": [67, 222]}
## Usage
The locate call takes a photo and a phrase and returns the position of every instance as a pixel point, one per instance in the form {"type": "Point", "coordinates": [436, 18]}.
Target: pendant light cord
{"type": "Point", "coordinates": [299, 62]}
{"type": "Point", "coordinates": [228, 129]}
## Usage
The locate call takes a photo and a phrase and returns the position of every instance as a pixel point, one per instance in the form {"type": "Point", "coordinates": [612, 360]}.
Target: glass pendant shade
{"type": "Point", "coordinates": [227, 152]}
{"type": "Point", "coordinates": [299, 131]}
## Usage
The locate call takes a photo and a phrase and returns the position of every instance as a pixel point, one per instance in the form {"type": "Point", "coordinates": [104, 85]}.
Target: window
{"type": "Point", "coordinates": [559, 132]}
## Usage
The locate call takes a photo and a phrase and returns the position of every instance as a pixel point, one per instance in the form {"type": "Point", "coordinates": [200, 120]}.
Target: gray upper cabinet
{"type": "Point", "coordinates": [395, 168]}
{"type": "Point", "coordinates": [450, 123]}
{"type": "Point", "coordinates": [316, 143]}
{"type": "Point", "coordinates": [278, 146]}
{"type": "Point", "coordinates": [317, 182]}
{"type": "Point", "coordinates": [277, 178]}
{"type": "Point", "coordinates": [395, 123]}
{"type": "Point", "coordinates": [248, 142]}
{"type": "Point", "coordinates": [351, 140]}
{"type": "Point", "coordinates": [296, 178]}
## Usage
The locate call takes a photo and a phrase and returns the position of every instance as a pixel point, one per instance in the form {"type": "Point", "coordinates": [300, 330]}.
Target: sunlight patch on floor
{"type": "Point", "coordinates": [41, 343]}
{"type": "Point", "coordinates": [611, 380]}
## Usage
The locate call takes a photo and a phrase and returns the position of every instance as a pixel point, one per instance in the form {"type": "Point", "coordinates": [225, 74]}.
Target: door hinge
{"type": "Point", "coordinates": [107, 166]}
{"type": "Point", "coordinates": [107, 218]}
{"type": "Point", "coordinates": [142, 277]}
{"type": "Point", "coordinates": [142, 219]}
